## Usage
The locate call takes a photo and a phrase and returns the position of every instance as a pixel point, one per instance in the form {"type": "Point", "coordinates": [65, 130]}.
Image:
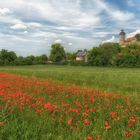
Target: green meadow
{"type": "Point", "coordinates": [69, 103]}
{"type": "Point", "coordinates": [116, 80]}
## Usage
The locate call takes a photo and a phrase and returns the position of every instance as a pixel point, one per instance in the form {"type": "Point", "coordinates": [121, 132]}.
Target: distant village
{"type": "Point", "coordinates": [125, 52]}
{"type": "Point", "coordinates": [123, 41]}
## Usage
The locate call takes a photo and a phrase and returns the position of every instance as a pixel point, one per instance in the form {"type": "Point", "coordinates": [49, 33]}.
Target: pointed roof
{"type": "Point", "coordinates": [81, 53]}
{"type": "Point", "coordinates": [122, 32]}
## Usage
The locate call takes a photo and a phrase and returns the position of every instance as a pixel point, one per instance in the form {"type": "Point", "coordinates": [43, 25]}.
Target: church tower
{"type": "Point", "coordinates": [122, 38]}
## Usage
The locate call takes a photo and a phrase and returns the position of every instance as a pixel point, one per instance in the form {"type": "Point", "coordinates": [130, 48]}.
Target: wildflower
{"type": "Point", "coordinates": [2, 123]}
{"type": "Point", "coordinates": [113, 114]}
{"type": "Point", "coordinates": [118, 118]}
{"type": "Point", "coordinates": [139, 132]}
{"type": "Point", "coordinates": [106, 123]}
{"type": "Point", "coordinates": [128, 134]}
{"type": "Point", "coordinates": [38, 111]}
{"type": "Point", "coordinates": [48, 105]}
{"type": "Point", "coordinates": [90, 138]}
{"type": "Point", "coordinates": [85, 114]}
{"type": "Point", "coordinates": [97, 136]}
{"type": "Point", "coordinates": [133, 120]}
{"type": "Point", "coordinates": [22, 107]}
{"type": "Point", "coordinates": [65, 105]}
{"type": "Point", "coordinates": [86, 122]}
{"type": "Point", "coordinates": [69, 121]}
{"type": "Point", "coordinates": [107, 126]}
{"type": "Point", "coordinates": [129, 125]}
{"type": "Point", "coordinates": [92, 100]}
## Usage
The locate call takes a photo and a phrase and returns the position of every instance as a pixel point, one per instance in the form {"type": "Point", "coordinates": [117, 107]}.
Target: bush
{"type": "Point", "coordinates": [104, 55]}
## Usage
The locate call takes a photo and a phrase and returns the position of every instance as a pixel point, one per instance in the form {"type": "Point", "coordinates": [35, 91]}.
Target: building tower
{"type": "Point", "coordinates": [122, 38]}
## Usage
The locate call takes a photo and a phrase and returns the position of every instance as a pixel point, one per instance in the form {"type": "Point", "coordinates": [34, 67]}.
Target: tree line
{"type": "Point", "coordinates": [10, 58]}
{"type": "Point", "coordinates": [107, 54]}
{"type": "Point", "coordinates": [112, 54]}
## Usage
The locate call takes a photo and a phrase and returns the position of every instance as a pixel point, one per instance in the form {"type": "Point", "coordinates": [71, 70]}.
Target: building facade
{"type": "Point", "coordinates": [122, 37]}
{"type": "Point", "coordinates": [81, 55]}
{"type": "Point", "coordinates": [123, 41]}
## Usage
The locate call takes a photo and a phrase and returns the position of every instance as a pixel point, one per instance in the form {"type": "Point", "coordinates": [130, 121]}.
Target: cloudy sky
{"type": "Point", "coordinates": [31, 26]}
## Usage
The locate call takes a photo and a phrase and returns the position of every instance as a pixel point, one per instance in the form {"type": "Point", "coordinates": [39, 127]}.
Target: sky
{"type": "Point", "coordinates": [29, 27]}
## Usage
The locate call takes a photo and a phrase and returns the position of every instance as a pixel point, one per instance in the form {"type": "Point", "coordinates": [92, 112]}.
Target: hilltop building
{"type": "Point", "coordinates": [123, 41]}
{"type": "Point", "coordinates": [122, 37]}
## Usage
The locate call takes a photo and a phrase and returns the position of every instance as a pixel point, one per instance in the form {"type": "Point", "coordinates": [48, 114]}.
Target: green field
{"type": "Point", "coordinates": [117, 80]}
{"type": "Point", "coordinates": [69, 103]}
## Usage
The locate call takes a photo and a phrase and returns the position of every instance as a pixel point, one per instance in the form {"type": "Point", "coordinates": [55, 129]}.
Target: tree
{"type": "Point", "coordinates": [137, 36]}
{"type": "Point", "coordinates": [41, 59]}
{"type": "Point", "coordinates": [29, 60]}
{"type": "Point", "coordinates": [57, 53]}
{"type": "Point", "coordinates": [94, 56]}
{"type": "Point", "coordinates": [70, 56]}
{"type": "Point", "coordinates": [10, 58]}
{"type": "Point", "coordinates": [7, 58]}
{"type": "Point", "coordinates": [130, 55]}
{"type": "Point", "coordinates": [104, 55]}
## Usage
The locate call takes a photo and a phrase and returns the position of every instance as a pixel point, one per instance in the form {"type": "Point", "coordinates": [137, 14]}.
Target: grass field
{"type": "Point", "coordinates": [69, 103]}
{"type": "Point", "coordinates": [118, 80]}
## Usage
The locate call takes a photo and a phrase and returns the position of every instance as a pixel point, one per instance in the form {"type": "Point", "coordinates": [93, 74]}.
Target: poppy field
{"type": "Point", "coordinates": [45, 109]}
{"type": "Point", "coordinates": [116, 80]}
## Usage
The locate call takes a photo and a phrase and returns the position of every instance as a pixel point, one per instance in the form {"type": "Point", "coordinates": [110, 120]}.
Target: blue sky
{"type": "Point", "coordinates": [31, 26]}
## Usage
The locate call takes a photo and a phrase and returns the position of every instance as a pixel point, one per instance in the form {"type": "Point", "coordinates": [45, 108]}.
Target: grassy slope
{"type": "Point", "coordinates": [123, 80]}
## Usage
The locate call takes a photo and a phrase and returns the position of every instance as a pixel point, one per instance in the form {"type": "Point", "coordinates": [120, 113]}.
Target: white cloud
{"type": "Point", "coordinates": [25, 32]}
{"type": "Point", "coordinates": [34, 25]}
{"type": "Point", "coordinates": [9, 19]}
{"type": "Point", "coordinates": [43, 34]}
{"type": "Point", "coordinates": [101, 34]}
{"type": "Point", "coordinates": [112, 39]}
{"type": "Point", "coordinates": [58, 41]}
{"type": "Point", "coordinates": [19, 26]}
{"type": "Point", "coordinates": [70, 44]}
{"type": "Point", "coordinates": [132, 34]}
{"type": "Point", "coordinates": [67, 13]}
{"type": "Point", "coordinates": [5, 11]}
{"type": "Point", "coordinates": [121, 16]}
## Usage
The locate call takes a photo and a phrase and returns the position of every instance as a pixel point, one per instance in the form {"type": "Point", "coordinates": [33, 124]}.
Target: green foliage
{"type": "Point", "coordinates": [111, 54]}
{"type": "Point", "coordinates": [130, 55]}
{"type": "Point", "coordinates": [70, 56]}
{"type": "Point", "coordinates": [57, 53]}
{"type": "Point", "coordinates": [20, 61]}
{"type": "Point", "coordinates": [104, 55]}
{"type": "Point", "coordinates": [107, 54]}
{"type": "Point", "coordinates": [137, 36]}
{"type": "Point", "coordinates": [10, 58]}
{"type": "Point", "coordinates": [41, 59]}
{"type": "Point", "coordinates": [7, 57]}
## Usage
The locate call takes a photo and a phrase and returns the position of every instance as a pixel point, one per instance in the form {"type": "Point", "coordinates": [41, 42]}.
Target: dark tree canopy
{"type": "Point", "coordinates": [104, 54]}
{"type": "Point", "coordinates": [70, 56]}
{"type": "Point", "coordinates": [7, 57]}
{"type": "Point", "coordinates": [130, 55]}
{"type": "Point", "coordinates": [57, 53]}
{"type": "Point", "coordinates": [10, 58]}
